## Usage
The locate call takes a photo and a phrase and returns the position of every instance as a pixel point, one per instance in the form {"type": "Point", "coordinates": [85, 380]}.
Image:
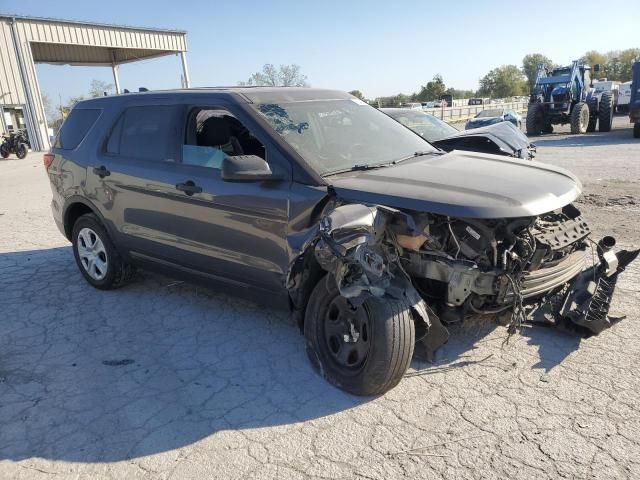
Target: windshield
{"type": "Point", "coordinates": [333, 135]}
{"type": "Point", "coordinates": [489, 113]}
{"type": "Point", "coordinates": [425, 125]}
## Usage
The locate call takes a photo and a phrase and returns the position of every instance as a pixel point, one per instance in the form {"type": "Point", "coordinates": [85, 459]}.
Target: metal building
{"type": "Point", "coordinates": [25, 41]}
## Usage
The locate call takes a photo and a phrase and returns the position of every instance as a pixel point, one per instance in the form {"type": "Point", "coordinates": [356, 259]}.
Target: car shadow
{"type": "Point", "coordinates": [617, 136]}
{"type": "Point", "coordinates": [104, 376]}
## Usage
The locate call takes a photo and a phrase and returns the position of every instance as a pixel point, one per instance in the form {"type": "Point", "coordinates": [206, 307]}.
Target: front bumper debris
{"type": "Point", "coordinates": [588, 297]}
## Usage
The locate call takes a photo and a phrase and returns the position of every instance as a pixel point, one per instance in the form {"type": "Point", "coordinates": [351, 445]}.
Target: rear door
{"type": "Point", "coordinates": [131, 179]}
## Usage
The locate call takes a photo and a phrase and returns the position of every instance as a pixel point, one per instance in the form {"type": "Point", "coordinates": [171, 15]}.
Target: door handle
{"type": "Point", "coordinates": [189, 187]}
{"type": "Point", "coordinates": [101, 171]}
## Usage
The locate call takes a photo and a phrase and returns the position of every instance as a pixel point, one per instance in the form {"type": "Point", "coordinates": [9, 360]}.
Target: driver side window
{"type": "Point", "coordinates": [213, 134]}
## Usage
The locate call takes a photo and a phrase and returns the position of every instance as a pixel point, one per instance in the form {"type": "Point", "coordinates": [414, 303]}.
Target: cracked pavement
{"type": "Point", "coordinates": [163, 379]}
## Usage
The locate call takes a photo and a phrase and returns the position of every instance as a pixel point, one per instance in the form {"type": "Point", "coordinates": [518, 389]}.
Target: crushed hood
{"type": "Point", "coordinates": [463, 184]}
{"type": "Point", "coordinates": [508, 138]}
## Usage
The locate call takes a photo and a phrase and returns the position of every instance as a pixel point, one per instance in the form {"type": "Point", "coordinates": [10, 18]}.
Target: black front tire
{"type": "Point", "coordinates": [636, 130]}
{"type": "Point", "coordinates": [390, 337]}
{"type": "Point", "coordinates": [580, 118]}
{"type": "Point", "coordinates": [605, 112]}
{"type": "Point", "coordinates": [4, 152]}
{"type": "Point", "coordinates": [21, 151]}
{"type": "Point", "coordinates": [535, 119]}
{"type": "Point", "coordinates": [118, 272]}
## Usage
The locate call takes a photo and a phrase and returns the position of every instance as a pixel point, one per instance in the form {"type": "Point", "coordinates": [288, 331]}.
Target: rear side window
{"type": "Point", "coordinates": [75, 128]}
{"type": "Point", "coordinates": [147, 133]}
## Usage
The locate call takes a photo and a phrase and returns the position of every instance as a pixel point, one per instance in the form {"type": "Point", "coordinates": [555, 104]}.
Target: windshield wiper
{"type": "Point", "coordinates": [363, 166]}
{"type": "Point", "coordinates": [414, 155]}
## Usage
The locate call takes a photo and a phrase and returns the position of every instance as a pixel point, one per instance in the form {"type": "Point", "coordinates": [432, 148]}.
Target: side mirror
{"type": "Point", "coordinates": [246, 168]}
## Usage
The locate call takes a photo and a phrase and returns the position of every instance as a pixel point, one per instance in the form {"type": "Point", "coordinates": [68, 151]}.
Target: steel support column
{"type": "Point", "coordinates": [185, 70]}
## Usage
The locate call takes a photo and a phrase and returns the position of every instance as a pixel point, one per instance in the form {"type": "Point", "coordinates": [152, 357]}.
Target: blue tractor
{"type": "Point", "coordinates": [566, 95]}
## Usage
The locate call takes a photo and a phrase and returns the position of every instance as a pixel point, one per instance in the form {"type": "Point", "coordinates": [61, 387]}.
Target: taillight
{"type": "Point", "coordinates": [47, 159]}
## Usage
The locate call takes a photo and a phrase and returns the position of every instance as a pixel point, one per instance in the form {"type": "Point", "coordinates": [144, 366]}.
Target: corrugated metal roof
{"type": "Point", "coordinates": [84, 22]}
{"type": "Point", "coordinates": [65, 54]}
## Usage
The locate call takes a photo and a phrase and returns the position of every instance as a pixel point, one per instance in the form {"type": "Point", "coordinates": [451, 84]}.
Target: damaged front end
{"type": "Point", "coordinates": [456, 266]}
{"type": "Point", "coordinates": [358, 246]}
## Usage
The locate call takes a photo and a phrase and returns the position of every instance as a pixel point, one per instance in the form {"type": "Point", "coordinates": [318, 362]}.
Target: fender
{"type": "Point", "coordinates": [77, 199]}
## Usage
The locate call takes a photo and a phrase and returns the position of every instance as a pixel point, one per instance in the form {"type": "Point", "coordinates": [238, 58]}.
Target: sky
{"type": "Point", "coordinates": [378, 47]}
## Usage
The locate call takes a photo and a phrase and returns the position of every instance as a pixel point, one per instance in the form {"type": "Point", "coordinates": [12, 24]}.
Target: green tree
{"type": "Point", "coordinates": [283, 76]}
{"type": "Point", "coordinates": [358, 94]}
{"type": "Point", "coordinates": [504, 81]}
{"type": "Point", "coordinates": [619, 64]}
{"type": "Point", "coordinates": [593, 58]}
{"type": "Point", "coordinates": [433, 90]}
{"type": "Point", "coordinates": [530, 64]}
{"type": "Point", "coordinates": [394, 100]}
{"type": "Point", "coordinates": [456, 93]}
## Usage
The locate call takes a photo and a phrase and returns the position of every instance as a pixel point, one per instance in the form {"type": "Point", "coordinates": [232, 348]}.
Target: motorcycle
{"type": "Point", "coordinates": [14, 142]}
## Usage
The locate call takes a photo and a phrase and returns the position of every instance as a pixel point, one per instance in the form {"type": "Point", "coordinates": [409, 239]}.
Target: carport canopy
{"type": "Point", "coordinates": [85, 55]}
{"type": "Point", "coordinates": [27, 41]}
{"type": "Point", "coordinates": [99, 56]}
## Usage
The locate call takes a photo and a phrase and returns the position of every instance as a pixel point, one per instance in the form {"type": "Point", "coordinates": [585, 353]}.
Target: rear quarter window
{"type": "Point", "coordinates": [76, 127]}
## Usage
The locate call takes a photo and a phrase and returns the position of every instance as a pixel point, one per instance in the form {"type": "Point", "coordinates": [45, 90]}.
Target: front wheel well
{"type": "Point", "coordinates": [304, 275]}
{"type": "Point", "coordinates": [73, 212]}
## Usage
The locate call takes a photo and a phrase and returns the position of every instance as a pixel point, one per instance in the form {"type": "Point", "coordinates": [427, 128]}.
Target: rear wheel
{"type": "Point", "coordinates": [535, 119]}
{"type": "Point", "coordinates": [4, 151]}
{"type": "Point", "coordinates": [365, 350]}
{"type": "Point", "coordinates": [97, 258]}
{"type": "Point", "coordinates": [580, 118]}
{"type": "Point", "coordinates": [21, 151]}
{"type": "Point", "coordinates": [605, 112]}
{"type": "Point", "coordinates": [636, 130]}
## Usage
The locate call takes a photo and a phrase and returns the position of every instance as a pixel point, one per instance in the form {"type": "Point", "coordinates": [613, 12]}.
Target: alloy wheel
{"type": "Point", "coordinates": [92, 253]}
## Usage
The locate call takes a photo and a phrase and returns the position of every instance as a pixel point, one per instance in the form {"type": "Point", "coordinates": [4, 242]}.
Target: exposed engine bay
{"type": "Point", "coordinates": [461, 266]}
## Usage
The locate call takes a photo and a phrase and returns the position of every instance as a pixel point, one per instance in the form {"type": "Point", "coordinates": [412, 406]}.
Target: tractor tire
{"type": "Point", "coordinates": [636, 130]}
{"type": "Point", "coordinates": [593, 115]}
{"type": "Point", "coordinates": [605, 112]}
{"type": "Point", "coordinates": [580, 118]}
{"type": "Point", "coordinates": [535, 119]}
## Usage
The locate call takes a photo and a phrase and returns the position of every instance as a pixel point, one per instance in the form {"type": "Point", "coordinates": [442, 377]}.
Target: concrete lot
{"type": "Point", "coordinates": [166, 380]}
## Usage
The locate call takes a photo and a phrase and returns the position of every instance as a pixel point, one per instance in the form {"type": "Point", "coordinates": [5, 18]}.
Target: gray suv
{"type": "Point", "coordinates": [316, 202]}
